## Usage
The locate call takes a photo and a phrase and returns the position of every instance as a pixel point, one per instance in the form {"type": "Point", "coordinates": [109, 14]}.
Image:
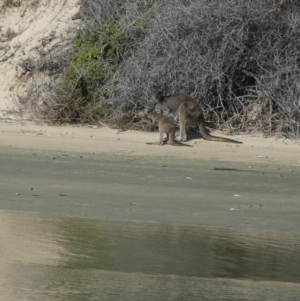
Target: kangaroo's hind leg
{"type": "Point", "coordinates": [182, 132]}
{"type": "Point", "coordinates": [161, 136]}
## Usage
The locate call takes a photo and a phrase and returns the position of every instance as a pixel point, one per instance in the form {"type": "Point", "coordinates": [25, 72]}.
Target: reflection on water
{"type": "Point", "coordinates": [54, 258]}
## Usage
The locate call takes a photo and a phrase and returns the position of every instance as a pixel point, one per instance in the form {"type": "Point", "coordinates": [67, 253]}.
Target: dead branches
{"type": "Point", "coordinates": [239, 58]}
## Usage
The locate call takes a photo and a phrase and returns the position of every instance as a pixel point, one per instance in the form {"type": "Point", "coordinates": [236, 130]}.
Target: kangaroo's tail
{"type": "Point", "coordinates": [176, 143]}
{"type": "Point", "coordinates": [207, 136]}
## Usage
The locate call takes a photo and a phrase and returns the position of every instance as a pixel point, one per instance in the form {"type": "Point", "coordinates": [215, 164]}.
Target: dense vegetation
{"type": "Point", "coordinates": [239, 58]}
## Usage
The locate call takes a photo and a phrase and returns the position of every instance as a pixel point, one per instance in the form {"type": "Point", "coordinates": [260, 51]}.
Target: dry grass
{"type": "Point", "coordinates": [9, 34]}
{"type": "Point", "coordinates": [25, 4]}
{"type": "Point", "coordinates": [9, 4]}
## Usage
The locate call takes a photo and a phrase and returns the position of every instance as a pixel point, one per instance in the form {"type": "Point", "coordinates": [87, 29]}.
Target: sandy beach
{"type": "Point", "coordinates": [103, 171]}
{"type": "Point", "coordinates": [93, 139]}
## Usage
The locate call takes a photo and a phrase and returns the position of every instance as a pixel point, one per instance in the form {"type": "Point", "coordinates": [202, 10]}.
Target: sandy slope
{"type": "Point", "coordinates": [31, 26]}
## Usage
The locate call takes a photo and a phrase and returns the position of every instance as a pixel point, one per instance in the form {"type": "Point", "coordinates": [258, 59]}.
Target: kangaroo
{"type": "Point", "coordinates": [165, 125]}
{"type": "Point", "coordinates": [188, 111]}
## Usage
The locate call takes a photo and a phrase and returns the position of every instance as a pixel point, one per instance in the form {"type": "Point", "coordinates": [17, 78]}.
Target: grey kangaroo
{"type": "Point", "coordinates": [165, 125]}
{"type": "Point", "coordinates": [188, 111]}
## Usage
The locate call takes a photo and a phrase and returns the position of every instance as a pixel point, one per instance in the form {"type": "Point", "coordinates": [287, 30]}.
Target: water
{"type": "Point", "coordinates": [68, 258]}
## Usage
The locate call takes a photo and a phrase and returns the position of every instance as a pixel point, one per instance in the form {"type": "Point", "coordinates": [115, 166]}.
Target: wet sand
{"type": "Point", "coordinates": [100, 173]}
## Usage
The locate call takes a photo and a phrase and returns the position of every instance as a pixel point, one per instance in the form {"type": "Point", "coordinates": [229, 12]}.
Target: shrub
{"type": "Point", "coordinates": [78, 96]}
{"type": "Point", "coordinates": [240, 58]}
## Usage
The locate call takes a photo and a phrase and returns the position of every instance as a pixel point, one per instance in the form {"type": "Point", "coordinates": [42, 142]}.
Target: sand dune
{"type": "Point", "coordinates": [26, 32]}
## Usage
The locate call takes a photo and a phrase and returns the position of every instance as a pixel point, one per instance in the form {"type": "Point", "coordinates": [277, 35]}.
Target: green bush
{"type": "Point", "coordinates": [92, 63]}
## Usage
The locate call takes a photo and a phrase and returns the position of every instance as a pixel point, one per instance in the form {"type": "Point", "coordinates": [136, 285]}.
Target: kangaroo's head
{"type": "Point", "coordinates": [150, 109]}
{"type": "Point", "coordinates": [157, 91]}
{"type": "Point", "coordinates": [152, 114]}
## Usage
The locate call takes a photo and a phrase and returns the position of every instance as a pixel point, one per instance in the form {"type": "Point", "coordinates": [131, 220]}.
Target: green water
{"type": "Point", "coordinates": [55, 258]}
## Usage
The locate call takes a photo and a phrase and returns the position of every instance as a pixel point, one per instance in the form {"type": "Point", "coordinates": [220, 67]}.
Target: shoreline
{"type": "Point", "coordinates": [92, 139]}
{"type": "Point", "coordinates": [113, 176]}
